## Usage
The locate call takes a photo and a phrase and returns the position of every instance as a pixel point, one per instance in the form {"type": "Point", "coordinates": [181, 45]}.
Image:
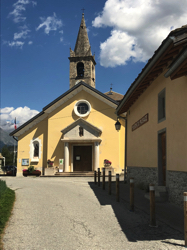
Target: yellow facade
{"type": "Point", "coordinates": [143, 142]}
{"type": "Point", "coordinates": [48, 131]}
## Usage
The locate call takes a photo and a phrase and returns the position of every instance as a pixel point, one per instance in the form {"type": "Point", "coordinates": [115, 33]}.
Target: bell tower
{"type": "Point", "coordinates": [82, 62]}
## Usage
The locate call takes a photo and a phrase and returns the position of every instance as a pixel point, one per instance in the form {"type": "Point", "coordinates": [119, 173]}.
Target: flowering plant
{"type": "Point", "coordinates": [49, 162]}
{"type": "Point", "coordinates": [107, 162]}
{"type": "Point", "coordinates": [30, 169]}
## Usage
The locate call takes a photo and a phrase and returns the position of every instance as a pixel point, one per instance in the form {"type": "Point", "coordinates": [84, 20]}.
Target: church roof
{"type": "Point", "coordinates": [87, 88]}
{"type": "Point", "coordinates": [82, 46]}
{"type": "Point", "coordinates": [114, 95]}
{"type": "Point", "coordinates": [59, 101]}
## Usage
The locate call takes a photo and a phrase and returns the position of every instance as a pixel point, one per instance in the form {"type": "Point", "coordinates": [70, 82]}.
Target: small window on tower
{"type": "Point", "coordinates": [80, 69]}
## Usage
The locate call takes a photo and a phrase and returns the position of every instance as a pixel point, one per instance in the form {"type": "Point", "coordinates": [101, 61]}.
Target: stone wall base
{"type": "Point", "coordinates": [176, 183]}
{"type": "Point", "coordinates": [143, 176]}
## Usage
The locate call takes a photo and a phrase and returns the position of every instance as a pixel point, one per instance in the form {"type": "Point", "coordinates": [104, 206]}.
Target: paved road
{"type": "Point", "coordinates": [73, 213]}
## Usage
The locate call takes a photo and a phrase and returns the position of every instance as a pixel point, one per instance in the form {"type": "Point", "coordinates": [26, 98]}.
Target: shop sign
{"type": "Point", "coordinates": [140, 122]}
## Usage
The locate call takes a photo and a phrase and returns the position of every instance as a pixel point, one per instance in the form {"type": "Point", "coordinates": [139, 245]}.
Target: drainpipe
{"type": "Point", "coordinates": [125, 168]}
{"type": "Point", "coordinates": [125, 174]}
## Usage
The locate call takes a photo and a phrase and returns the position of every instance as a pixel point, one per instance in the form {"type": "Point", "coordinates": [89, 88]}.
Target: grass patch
{"type": "Point", "coordinates": [7, 198]}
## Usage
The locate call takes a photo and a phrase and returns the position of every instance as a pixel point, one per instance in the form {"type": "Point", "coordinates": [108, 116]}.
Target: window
{"type": "Point", "coordinates": [161, 106]}
{"type": "Point", "coordinates": [82, 108]}
{"type": "Point", "coordinates": [80, 69]}
{"type": "Point", "coordinates": [35, 150]}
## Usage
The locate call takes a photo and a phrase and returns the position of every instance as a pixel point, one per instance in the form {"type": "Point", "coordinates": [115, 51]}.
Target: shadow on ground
{"type": "Point", "coordinates": [135, 225]}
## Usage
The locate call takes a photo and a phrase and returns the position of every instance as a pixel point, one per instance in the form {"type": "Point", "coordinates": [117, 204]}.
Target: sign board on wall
{"type": "Point", "coordinates": [61, 161]}
{"type": "Point", "coordinates": [25, 162]}
{"type": "Point", "coordinates": [140, 122]}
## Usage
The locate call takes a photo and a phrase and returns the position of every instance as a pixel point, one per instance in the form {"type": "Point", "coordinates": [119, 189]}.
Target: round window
{"type": "Point", "coordinates": [82, 108]}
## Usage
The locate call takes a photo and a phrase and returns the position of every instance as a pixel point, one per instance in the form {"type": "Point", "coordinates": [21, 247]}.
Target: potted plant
{"type": "Point", "coordinates": [31, 171]}
{"type": "Point", "coordinates": [107, 163]}
{"type": "Point", "coordinates": [50, 163]}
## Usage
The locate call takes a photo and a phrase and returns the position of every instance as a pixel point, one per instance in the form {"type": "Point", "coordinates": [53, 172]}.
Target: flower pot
{"type": "Point", "coordinates": [35, 172]}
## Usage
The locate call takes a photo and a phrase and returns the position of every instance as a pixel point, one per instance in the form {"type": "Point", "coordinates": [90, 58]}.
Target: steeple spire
{"type": "Point", "coordinates": [82, 63]}
{"type": "Point", "coordinates": [82, 46]}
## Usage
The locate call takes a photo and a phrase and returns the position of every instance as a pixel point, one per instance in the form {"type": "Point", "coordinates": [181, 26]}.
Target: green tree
{"type": "Point", "coordinates": [8, 153]}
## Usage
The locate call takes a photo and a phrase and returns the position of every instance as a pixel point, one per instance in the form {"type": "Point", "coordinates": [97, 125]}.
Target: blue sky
{"type": "Point", "coordinates": [36, 37]}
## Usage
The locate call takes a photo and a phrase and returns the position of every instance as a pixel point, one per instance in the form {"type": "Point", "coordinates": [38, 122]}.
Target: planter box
{"type": "Point", "coordinates": [36, 173]}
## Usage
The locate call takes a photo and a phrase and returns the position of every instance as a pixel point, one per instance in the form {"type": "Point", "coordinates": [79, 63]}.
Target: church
{"type": "Point", "coordinates": [75, 132]}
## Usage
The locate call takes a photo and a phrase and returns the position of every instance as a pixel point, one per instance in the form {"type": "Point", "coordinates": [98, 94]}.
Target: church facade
{"type": "Point", "coordinates": [76, 131]}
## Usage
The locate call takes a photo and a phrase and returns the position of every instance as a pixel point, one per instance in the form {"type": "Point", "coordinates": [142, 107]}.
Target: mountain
{"type": "Point", "coordinates": [5, 139]}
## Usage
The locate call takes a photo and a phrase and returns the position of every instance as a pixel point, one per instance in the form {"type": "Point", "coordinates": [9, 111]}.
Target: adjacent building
{"type": "Point", "coordinates": [156, 113]}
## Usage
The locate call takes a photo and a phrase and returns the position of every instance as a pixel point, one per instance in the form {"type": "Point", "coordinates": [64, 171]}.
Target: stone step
{"type": "Point", "coordinates": [76, 174]}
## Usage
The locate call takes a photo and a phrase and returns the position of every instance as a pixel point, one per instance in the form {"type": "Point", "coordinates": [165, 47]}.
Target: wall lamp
{"type": "Point", "coordinates": [118, 124]}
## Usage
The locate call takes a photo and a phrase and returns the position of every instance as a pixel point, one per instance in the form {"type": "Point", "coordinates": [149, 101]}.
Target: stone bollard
{"type": "Point", "coordinates": [95, 177]}
{"type": "Point", "coordinates": [109, 181]}
{"type": "Point", "coordinates": [185, 219]}
{"type": "Point", "coordinates": [132, 194]}
{"type": "Point", "coordinates": [99, 174]}
{"type": "Point", "coordinates": [152, 205]}
{"type": "Point", "coordinates": [103, 184]}
{"type": "Point", "coordinates": [117, 187]}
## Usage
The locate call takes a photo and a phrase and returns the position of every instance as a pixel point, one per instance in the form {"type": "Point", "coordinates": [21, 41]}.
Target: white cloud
{"type": "Point", "coordinates": [21, 2]}
{"type": "Point", "coordinates": [50, 23]}
{"type": "Point", "coordinates": [61, 38]}
{"type": "Point", "coordinates": [6, 110]}
{"type": "Point", "coordinates": [30, 42]}
{"type": "Point", "coordinates": [138, 28]}
{"type": "Point", "coordinates": [8, 114]}
{"type": "Point", "coordinates": [19, 9]}
{"type": "Point", "coordinates": [34, 3]}
{"type": "Point", "coordinates": [23, 34]}
{"type": "Point", "coordinates": [17, 44]}
{"type": "Point", "coordinates": [111, 55]}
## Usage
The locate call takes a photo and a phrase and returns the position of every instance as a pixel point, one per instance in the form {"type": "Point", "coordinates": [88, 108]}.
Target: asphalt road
{"type": "Point", "coordinates": [73, 213]}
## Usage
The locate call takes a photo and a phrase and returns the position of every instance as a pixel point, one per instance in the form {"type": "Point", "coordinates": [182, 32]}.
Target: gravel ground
{"type": "Point", "coordinates": [73, 213]}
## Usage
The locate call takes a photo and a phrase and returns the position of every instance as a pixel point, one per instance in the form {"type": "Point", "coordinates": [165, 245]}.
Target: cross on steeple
{"type": "Point", "coordinates": [111, 86]}
{"type": "Point", "coordinates": [83, 10]}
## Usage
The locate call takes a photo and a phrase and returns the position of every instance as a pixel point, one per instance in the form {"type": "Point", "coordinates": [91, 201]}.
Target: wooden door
{"type": "Point", "coordinates": [82, 158]}
{"type": "Point", "coordinates": [163, 143]}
